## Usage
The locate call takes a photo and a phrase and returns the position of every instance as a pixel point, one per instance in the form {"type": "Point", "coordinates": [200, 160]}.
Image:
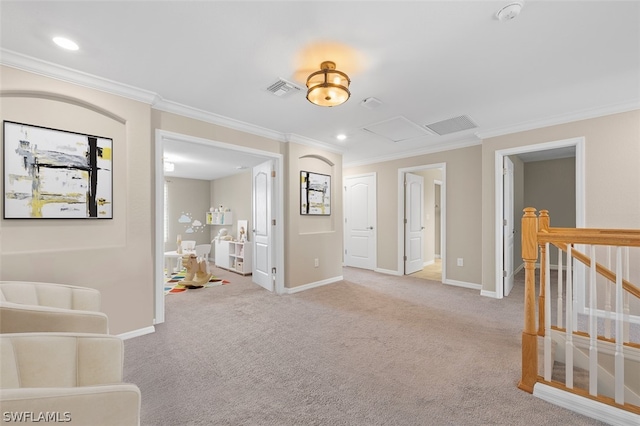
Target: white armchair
{"type": "Point", "coordinates": [35, 306]}
{"type": "Point", "coordinates": [75, 377]}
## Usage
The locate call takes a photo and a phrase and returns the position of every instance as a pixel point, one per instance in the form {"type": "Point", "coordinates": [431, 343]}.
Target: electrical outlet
{"type": "Point", "coordinates": [316, 262]}
{"type": "Point", "coordinates": [460, 262]}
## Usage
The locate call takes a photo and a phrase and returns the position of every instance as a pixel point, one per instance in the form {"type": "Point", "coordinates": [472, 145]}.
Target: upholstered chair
{"type": "Point", "coordinates": [73, 378]}
{"type": "Point", "coordinates": [36, 306]}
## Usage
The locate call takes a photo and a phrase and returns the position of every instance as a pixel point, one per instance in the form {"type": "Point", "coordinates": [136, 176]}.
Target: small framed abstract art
{"type": "Point", "coordinates": [56, 174]}
{"type": "Point", "coordinates": [315, 194]}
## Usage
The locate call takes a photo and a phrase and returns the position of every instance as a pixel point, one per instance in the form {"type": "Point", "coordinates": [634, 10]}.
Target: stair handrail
{"type": "Point", "coordinates": [536, 232]}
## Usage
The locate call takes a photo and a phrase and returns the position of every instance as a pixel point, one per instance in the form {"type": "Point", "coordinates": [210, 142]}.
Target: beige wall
{"type": "Point", "coordinates": [312, 237]}
{"type": "Point", "coordinates": [233, 192]}
{"type": "Point", "coordinates": [117, 256]}
{"type": "Point", "coordinates": [190, 197]}
{"type": "Point", "coordinates": [551, 185]}
{"type": "Point", "coordinates": [463, 203]}
{"type": "Point", "coordinates": [612, 168]}
{"type": "Point", "coordinates": [113, 256]}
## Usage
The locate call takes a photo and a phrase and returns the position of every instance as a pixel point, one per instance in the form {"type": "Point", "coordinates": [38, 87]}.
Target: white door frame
{"type": "Point", "coordinates": [278, 191]}
{"type": "Point", "coordinates": [443, 215]}
{"type": "Point", "coordinates": [345, 231]}
{"type": "Point", "coordinates": [579, 143]}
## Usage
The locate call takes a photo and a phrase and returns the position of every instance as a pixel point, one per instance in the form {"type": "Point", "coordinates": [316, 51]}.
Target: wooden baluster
{"type": "Point", "coordinates": [529, 333]}
{"type": "Point", "coordinates": [543, 225]}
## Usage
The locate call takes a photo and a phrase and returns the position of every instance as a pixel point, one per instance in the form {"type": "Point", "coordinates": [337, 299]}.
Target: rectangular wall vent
{"type": "Point", "coordinates": [283, 88]}
{"type": "Point", "coordinates": [452, 125]}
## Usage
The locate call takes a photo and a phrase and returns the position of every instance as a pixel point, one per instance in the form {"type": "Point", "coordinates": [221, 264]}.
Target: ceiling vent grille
{"type": "Point", "coordinates": [452, 125]}
{"type": "Point", "coordinates": [283, 88]}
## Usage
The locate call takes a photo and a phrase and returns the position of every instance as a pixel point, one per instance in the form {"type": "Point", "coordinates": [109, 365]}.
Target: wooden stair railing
{"type": "Point", "coordinates": [536, 233]}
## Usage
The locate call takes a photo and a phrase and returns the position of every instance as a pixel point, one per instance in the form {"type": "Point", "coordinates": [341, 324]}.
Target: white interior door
{"type": "Point", "coordinates": [414, 228]}
{"type": "Point", "coordinates": [509, 226]}
{"type": "Point", "coordinates": [262, 235]}
{"type": "Point", "coordinates": [360, 221]}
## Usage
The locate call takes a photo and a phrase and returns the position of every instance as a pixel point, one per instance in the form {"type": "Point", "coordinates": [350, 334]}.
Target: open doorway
{"type": "Point", "coordinates": [421, 228]}
{"type": "Point", "coordinates": [209, 149]}
{"type": "Point", "coordinates": [510, 200]}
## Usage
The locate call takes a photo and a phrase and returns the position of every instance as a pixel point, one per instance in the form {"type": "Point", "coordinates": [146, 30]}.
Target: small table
{"type": "Point", "coordinates": [168, 260]}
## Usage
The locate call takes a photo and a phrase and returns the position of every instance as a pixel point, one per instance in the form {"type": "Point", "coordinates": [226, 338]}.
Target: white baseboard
{"type": "Point", "coordinates": [590, 408]}
{"type": "Point", "coordinates": [389, 272]}
{"type": "Point", "coordinates": [430, 262]}
{"type": "Point", "coordinates": [137, 333]}
{"type": "Point", "coordinates": [487, 293]}
{"type": "Point", "coordinates": [462, 284]}
{"type": "Point", "coordinates": [312, 285]}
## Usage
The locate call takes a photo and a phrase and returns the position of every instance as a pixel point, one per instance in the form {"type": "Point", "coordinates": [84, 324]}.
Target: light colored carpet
{"type": "Point", "coordinates": [370, 350]}
{"type": "Point", "coordinates": [430, 272]}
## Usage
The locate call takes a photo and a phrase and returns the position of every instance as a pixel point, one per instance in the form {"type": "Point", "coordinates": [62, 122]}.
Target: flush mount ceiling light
{"type": "Point", "coordinates": [65, 43]}
{"type": "Point", "coordinates": [510, 11]}
{"type": "Point", "coordinates": [328, 87]}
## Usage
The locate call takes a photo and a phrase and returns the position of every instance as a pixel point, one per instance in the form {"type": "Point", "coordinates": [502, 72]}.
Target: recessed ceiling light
{"type": "Point", "coordinates": [65, 43]}
{"type": "Point", "coordinates": [341, 137]}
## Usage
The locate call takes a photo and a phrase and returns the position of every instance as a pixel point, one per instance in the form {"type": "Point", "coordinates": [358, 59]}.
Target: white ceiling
{"type": "Point", "coordinates": [426, 61]}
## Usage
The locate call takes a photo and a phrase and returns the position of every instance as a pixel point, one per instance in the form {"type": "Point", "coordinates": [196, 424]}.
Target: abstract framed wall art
{"type": "Point", "coordinates": [315, 194]}
{"type": "Point", "coordinates": [56, 174]}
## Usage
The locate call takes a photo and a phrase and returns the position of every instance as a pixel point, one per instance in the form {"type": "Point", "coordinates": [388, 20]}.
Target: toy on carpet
{"type": "Point", "coordinates": [197, 272]}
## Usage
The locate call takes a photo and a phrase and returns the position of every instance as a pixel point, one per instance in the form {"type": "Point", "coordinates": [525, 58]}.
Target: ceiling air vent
{"type": "Point", "coordinates": [282, 88]}
{"type": "Point", "coordinates": [452, 125]}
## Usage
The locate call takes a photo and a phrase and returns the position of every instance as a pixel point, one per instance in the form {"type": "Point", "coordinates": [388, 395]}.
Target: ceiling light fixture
{"type": "Point", "coordinates": [65, 43]}
{"type": "Point", "coordinates": [341, 137]}
{"type": "Point", "coordinates": [510, 11]}
{"type": "Point", "coordinates": [328, 87]}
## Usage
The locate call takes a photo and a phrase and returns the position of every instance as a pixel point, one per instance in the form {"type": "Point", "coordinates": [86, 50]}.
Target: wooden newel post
{"type": "Point", "coordinates": [529, 334]}
{"type": "Point", "coordinates": [543, 226]}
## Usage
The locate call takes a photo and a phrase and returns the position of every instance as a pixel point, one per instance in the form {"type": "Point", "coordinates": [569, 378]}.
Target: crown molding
{"type": "Point", "coordinates": [445, 146]}
{"type": "Point", "coordinates": [209, 117]}
{"type": "Point", "coordinates": [302, 140]}
{"type": "Point", "coordinates": [58, 72]}
{"type": "Point", "coordinates": [584, 114]}
{"type": "Point", "coordinates": [48, 69]}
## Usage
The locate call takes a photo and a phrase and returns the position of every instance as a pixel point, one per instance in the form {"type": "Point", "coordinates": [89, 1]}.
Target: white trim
{"type": "Point", "coordinates": [137, 333]}
{"type": "Point", "coordinates": [304, 287]}
{"type": "Point", "coordinates": [443, 214]}
{"type": "Point", "coordinates": [209, 117]}
{"type": "Point", "coordinates": [491, 294]}
{"type": "Point", "coordinates": [464, 284]}
{"type": "Point", "coordinates": [389, 272]}
{"type": "Point", "coordinates": [444, 146]}
{"type": "Point", "coordinates": [278, 237]}
{"type": "Point", "coordinates": [579, 143]}
{"type": "Point", "coordinates": [48, 69]}
{"type": "Point", "coordinates": [428, 262]}
{"type": "Point", "coordinates": [584, 114]}
{"type": "Point", "coordinates": [302, 140]}
{"type": "Point", "coordinates": [585, 406]}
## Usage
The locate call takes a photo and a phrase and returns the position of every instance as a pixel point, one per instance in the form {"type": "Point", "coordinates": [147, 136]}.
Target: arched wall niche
{"type": "Point", "coordinates": [61, 98]}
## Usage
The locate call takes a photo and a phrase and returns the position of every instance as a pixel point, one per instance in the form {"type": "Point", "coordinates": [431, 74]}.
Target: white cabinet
{"type": "Point", "coordinates": [234, 256]}
{"type": "Point", "coordinates": [219, 218]}
{"type": "Point", "coordinates": [222, 254]}
{"type": "Point", "coordinates": [240, 257]}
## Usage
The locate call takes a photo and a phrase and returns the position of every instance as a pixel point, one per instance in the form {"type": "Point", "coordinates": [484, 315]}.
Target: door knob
{"type": "Point", "coordinates": [371, 227]}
